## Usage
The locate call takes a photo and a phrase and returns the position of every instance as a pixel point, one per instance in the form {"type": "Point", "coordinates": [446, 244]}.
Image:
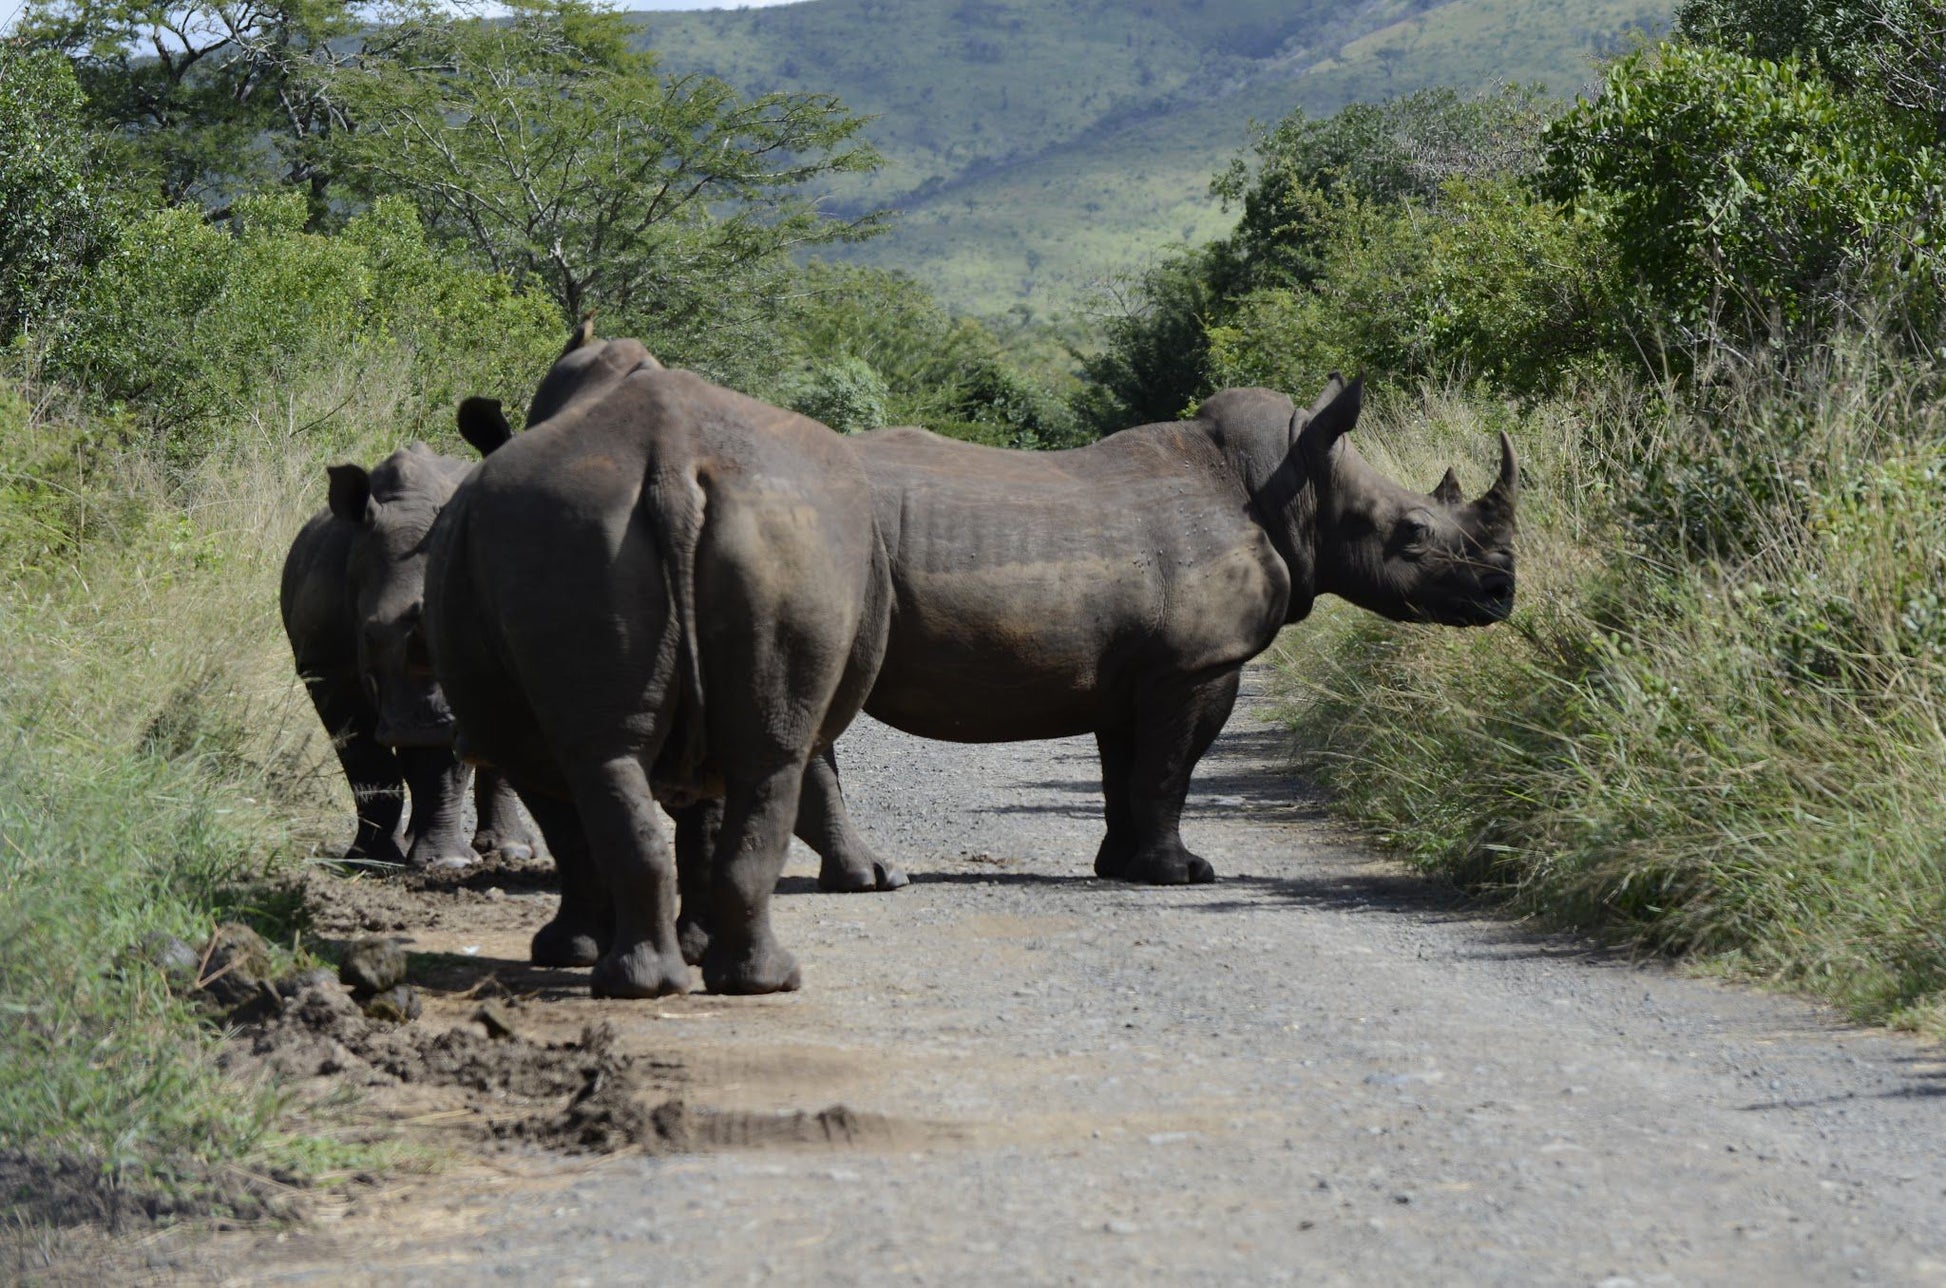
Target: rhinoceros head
{"type": "Point", "coordinates": [1402, 554]}
{"type": "Point", "coordinates": [394, 507]}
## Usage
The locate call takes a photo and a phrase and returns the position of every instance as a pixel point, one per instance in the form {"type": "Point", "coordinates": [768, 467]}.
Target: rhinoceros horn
{"type": "Point", "coordinates": [1499, 499]}
{"type": "Point", "coordinates": [1448, 492]}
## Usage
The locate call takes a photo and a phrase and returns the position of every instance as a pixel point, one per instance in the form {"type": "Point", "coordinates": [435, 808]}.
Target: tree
{"type": "Point", "coordinates": [54, 218]}
{"type": "Point", "coordinates": [552, 152]}
{"type": "Point", "coordinates": [207, 98]}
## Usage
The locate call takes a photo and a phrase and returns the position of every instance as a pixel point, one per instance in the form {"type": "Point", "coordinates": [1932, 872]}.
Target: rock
{"type": "Point", "coordinates": [373, 965]}
{"type": "Point", "coordinates": [498, 1021]}
{"type": "Point", "coordinates": [175, 960]}
{"type": "Point", "coordinates": [395, 1005]}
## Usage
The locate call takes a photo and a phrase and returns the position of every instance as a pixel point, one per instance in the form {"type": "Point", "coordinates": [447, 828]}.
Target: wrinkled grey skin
{"type": "Point", "coordinates": [352, 594]}
{"type": "Point", "coordinates": [1118, 589]}
{"type": "Point", "coordinates": [562, 603]}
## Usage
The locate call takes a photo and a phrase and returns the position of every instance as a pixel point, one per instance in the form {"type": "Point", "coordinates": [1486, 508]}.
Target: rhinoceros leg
{"type": "Point", "coordinates": [1117, 764]}
{"type": "Point", "coordinates": [438, 784]}
{"type": "Point", "coordinates": [371, 770]}
{"type": "Point", "coordinates": [500, 826]}
{"type": "Point", "coordinates": [634, 860]}
{"type": "Point", "coordinates": [1175, 724]}
{"type": "Point", "coordinates": [697, 827]}
{"type": "Point", "coordinates": [583, 926]}
{"type": "Point", "coordinates": [759, 809]}
{"type": "Point", "coordinates": [823, 823]}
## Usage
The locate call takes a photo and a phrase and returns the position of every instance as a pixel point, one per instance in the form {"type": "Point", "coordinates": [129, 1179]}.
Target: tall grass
{"type": "Point", "coordinates": [1716, 724]}
{"type": "Point", "coordinates": [160, 768]}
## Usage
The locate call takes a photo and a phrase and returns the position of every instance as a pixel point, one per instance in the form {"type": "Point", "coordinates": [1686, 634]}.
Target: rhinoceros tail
{"type": "Point", "coordinates": [676, 502]}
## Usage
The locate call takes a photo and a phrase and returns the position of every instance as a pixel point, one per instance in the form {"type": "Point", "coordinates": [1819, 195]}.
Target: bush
{"type": "Point", "coordinates": [1729, 750]}
{"type": "Point", "coordinates": [187, 321]}
{"type": "Point", "coordinates": [847, 395]}
{"type": "Point", "coordinates": [1743, 196]}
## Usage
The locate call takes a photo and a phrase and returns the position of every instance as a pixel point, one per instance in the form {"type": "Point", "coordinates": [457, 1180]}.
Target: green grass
{"type": "Point", "coordinates": [1727, 753]}
{"type": "Point", "coordinates": [160, 773]}
{"type": "Point", "coordinates": [1089, 141]}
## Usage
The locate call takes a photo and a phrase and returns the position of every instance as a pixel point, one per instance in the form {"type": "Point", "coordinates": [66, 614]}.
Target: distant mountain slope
{"type": "Point", "coordinates": [1034, 145]}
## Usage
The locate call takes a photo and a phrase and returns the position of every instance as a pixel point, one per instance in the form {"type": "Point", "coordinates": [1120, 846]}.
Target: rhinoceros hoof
{"type": "Point", "coordinates": [511, 849]}
{"type": "Point", "coordinates": [1175, 866]}
{"type": "Point", "coordinates": [557, 945]}
{"type": "Point", "coordinates": [441, 857]}
{"type": "Point", "coordinates": [378, 850]}
{"type": "Point", "coordinates": [862, 878]}
{"type": "Point", "coordinates": [638, 973]}
{"type": "Point", "coordinates": [771, 970]}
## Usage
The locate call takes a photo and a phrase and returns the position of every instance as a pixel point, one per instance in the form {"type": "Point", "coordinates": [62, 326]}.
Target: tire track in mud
{"type": "Point", "coordinates": [1319, 1069]}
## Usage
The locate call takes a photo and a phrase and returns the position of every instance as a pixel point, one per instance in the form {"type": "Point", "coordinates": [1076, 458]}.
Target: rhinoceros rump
{"type": "Point", "coordinates": [1118, 589]}
{"type": "Point", "coordinates": [661, 588]}
{"type": "Point", "coordinates": [351, 599]}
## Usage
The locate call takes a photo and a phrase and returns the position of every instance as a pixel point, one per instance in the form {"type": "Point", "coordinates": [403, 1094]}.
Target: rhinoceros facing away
{"type": "Point", "coordinates": [350, 599]}
{"type": "Point", "coordinates": [1118, 589]}
{"type": "Point", "coordinates": [661, 589]}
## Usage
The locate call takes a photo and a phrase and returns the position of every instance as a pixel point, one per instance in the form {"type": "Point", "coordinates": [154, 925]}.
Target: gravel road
{"type": "Point", "coordinates": [1318, 1070]}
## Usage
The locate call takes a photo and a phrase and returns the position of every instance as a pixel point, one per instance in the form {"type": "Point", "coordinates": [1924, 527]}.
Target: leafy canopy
{"type": "Point", "coordinates": [553, 153]}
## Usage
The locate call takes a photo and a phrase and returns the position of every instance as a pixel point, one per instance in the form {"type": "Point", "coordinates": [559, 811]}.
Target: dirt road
{"type": "Point", "coordinates": [1318, 1070]}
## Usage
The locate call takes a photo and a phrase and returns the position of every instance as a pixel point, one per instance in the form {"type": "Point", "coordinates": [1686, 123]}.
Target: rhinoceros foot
{"type": "Point", "coordinates": [375, 849]}
{"type": "Point", "coordinates": [766, 968]}
{"type": "Point", "coordinates": [1172, 865]}
{"type": "Point", "coordinates": [638, 972]}
{"type": "Point", "coordinates": [860, 877]}
{"type": "Point", "coordinates": [511, 849]}
{"type": "Point", "coordinates": [561, 944]}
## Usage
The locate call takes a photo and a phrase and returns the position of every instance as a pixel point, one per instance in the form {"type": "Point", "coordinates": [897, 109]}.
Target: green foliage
{"type": "Point", "coordinates": [1386, 153]}
{"type": "Point", "coordinates": [845, 394]}
{"type": "Point", "coordinates": [203, 99]}
{"type": "Point", "coordinates": [185, 318]}
{"type": "Point", "coordinates": [1731, 757]}
{"type": "Point", "coordinates": [1394, 238]}
{"type": "Point", "coordinates": [1745, 194]}
{"type": "Point", "coordinates": [1484, 281]}
{"type": "Point", "coordinates": [544, 149]}
{"type": "Point", "coordinates": [53, 210]}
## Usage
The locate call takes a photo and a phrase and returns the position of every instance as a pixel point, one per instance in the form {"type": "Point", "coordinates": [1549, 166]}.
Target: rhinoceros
{"type": "Point", "coordinates": [351, 602]}
{"type": "Point", "coordinates": [661, 589]}
{"type": "Point", "coordinates": [1118, 589]}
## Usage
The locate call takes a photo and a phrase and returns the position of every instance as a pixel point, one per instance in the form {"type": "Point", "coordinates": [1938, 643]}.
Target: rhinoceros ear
{"type": "Point", "coordinates": [351, 491]}
{"type": "Point", "coordinates": [1448, 492]}
{"type": "Point", "coordinates": [1332, 416]}
{"type": "Point", "coordinates": [483, 424]}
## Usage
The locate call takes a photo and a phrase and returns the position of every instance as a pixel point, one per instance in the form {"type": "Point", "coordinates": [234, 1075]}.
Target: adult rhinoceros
{"type": "Point", "coordinates": [661, 588]}
{"type": "Point", "coordinates": [1118, 589]}
{"type": "Point", "coordinates": [350, 600]}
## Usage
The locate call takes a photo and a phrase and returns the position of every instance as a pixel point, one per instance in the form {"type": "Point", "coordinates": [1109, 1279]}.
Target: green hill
{"type": "Point", "coordinates": [1034, 146]}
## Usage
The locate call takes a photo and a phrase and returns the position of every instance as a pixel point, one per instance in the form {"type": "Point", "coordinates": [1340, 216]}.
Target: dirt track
{"type": "Point", "coordinates": [1318, 1070]}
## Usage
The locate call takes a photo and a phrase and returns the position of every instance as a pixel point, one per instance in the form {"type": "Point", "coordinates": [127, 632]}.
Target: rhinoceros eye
{"type": "Point", "coordinates": [1414, 534]}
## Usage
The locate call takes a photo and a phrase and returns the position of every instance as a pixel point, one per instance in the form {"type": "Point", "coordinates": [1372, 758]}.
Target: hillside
{"type": "Point", "coordinates": [1033, 146]}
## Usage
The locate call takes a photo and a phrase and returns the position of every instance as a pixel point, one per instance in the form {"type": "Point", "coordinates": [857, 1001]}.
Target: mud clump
{"type": "Point", "coordinates": [66, 1190]}
{"type": "Point", "coordinates": [373, 965]}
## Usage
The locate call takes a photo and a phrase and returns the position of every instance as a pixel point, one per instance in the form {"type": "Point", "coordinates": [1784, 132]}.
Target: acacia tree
{"type": "Point", "coordinates": [206, 99]}
{"type": "Point", "coordinates": [553, 152]}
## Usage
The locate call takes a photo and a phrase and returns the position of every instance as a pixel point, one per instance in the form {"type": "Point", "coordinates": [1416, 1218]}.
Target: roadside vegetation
{"type": "Point", "coordinates": [1708, 305]}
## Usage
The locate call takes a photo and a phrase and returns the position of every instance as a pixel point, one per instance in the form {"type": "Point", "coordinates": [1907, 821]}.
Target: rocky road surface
{"type": "Point", "coordinates": [1320, 1069]}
